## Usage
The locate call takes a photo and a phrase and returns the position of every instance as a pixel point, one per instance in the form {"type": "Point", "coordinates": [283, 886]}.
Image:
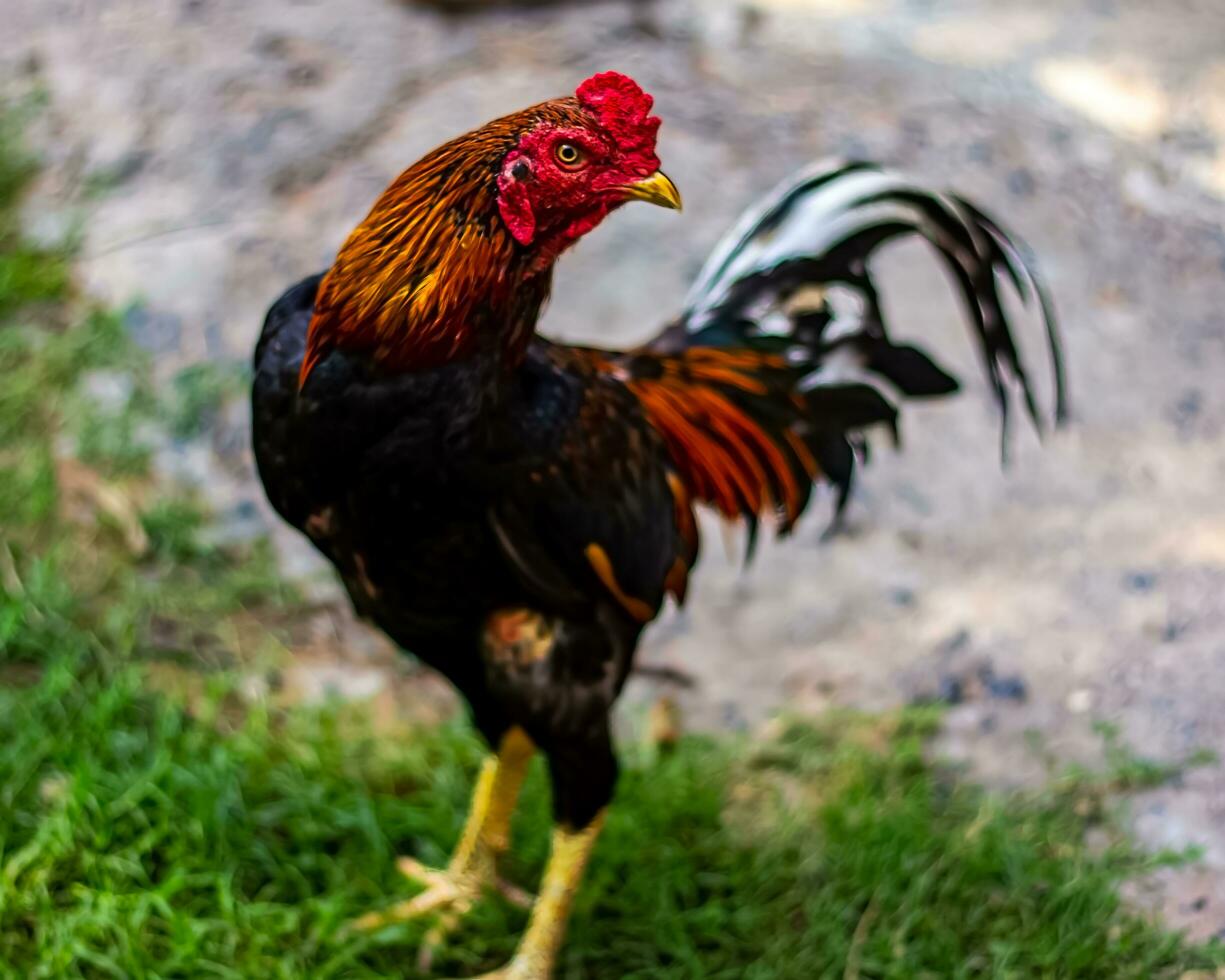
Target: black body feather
{"type": "Point", "coordinates": [445, 496]}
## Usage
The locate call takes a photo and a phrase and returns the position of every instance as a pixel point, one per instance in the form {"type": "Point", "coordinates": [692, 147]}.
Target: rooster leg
{"type": "Point", "coordinates": [538, 949]}
{"type": "Point", "coordinates": [451, 892]}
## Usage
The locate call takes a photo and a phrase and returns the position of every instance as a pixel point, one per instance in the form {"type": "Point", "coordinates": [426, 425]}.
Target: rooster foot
{"type": "Point", "coordinates": [449, 895]}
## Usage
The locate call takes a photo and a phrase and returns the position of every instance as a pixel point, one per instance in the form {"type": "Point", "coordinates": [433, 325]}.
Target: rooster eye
{"type": "Point", "coordinates": [569, 156]}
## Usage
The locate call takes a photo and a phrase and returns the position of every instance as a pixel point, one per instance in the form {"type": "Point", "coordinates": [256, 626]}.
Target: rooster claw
{"type": "Point", "coordinates": [414, 870]}
{"type": "Point", "coordinates": [520, 898]}
{"type": "Point", "coordinates": [449, 895]}
{"type": "Point", "coordinates": [445, 892]}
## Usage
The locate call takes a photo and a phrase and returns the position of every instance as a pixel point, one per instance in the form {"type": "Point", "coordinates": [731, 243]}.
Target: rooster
{"type": "Point", "coordinates": [515, 511]}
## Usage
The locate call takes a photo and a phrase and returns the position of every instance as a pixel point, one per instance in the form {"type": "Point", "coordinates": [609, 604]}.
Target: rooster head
{"type": "Point", "coordinates": [566, 173]}
{"type": "Point", "coordinates": [460, 246]}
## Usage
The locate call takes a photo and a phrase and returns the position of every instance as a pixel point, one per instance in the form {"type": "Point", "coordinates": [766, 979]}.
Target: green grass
{"type": "Point", "coordinates": [147, 834]}
{"type": "Point", "coordinates": [141, 839]}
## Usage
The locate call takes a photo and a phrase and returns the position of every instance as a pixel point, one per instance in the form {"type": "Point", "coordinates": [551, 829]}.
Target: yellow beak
{"type": "Point", "coordinates": [656, 189]}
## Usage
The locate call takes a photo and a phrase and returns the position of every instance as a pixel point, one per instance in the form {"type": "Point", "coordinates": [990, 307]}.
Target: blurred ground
{"type": "Point", "coordinates": [208, 152]}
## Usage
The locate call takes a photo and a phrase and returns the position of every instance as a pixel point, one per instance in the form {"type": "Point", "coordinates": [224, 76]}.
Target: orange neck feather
{"type": "Point", "coordinates": [431, 274]}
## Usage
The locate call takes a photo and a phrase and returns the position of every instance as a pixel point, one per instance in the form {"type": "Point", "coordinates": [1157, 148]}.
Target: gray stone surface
{"type": "Point", "coordinates": [213, 150]}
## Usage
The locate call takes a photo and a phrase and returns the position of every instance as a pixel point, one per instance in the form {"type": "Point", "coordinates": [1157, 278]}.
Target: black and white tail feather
{"type": "Point", "coordinates": [794, 276]}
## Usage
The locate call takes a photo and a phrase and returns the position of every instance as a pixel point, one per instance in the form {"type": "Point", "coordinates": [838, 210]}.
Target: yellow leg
{"type": "Point", "coordinates": [486, 833]}
{"type": "Point", "coordinates": [451, 892]}
{"type": "Point", "coordinates": [537, 953]}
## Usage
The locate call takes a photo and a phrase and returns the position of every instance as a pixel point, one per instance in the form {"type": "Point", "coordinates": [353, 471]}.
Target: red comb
{"type": "Point", "coordinates": [621, 107]}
